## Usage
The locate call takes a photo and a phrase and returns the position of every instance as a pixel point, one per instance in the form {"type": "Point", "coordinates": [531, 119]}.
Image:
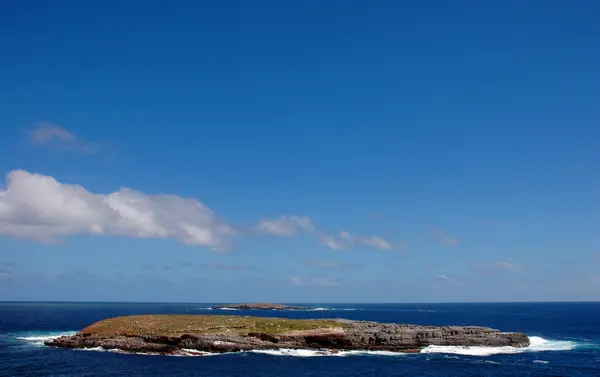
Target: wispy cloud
{"type": "Point", "coordinates": [289, 226]}
{"type": "Point", "coordinates": [285, 226]}
{"type": "Point", "coordinates": [446, 278]}
{"type": "Point", "coordinates": [345, 240]}
{"type": "Point", "coordinates": [446, 238]}
{"type": "Point", "coordinates": [59, 138]}
{"type": "Point", "coordinates": [76, 275]}
{"type": "Point", "coordinates": [332, 243]}
{"type": "Point", "coordinates": [6, 274]}
{"type": "Point", "coordinates": [507, 266]}
{"type": "Point", "coordinates": [377, 243]}
{"type": "Point", "coordinates": [489, 268]}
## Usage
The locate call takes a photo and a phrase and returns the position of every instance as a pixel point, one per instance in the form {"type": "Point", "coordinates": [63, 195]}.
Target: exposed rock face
{"type": "Point", "coordinates": [353, 335]}
{"type": "Point", "coordinates": [259, 306]}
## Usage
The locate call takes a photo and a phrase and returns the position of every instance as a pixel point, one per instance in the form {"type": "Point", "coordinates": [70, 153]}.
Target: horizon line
{"type": "Point", "coordinates": [291, 303]}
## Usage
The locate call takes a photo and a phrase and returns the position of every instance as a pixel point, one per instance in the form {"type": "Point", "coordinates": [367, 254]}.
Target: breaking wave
{"type": "Point", "coordinates": [536, 344]}
{"type": "Point", "coordinates": [289, 310]}
{"type": "Point", "coordinates": [335, 309]}
{"type": "Point", "coordinates": [313, 353]}
{"type": "Point", "coordinates": [41, 337]}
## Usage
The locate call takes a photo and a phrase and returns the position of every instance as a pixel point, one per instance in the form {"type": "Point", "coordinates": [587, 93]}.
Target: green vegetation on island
{"type": "Point", "coordinates": [189, 324]}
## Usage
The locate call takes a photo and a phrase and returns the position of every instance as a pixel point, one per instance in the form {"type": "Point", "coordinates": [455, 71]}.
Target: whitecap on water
{"type": "Point", "coordinates": [313, 353]}
{"type": "Point", "coordinates": [39, 338]}
{"type": "Point", "coordinates": [536, 344]}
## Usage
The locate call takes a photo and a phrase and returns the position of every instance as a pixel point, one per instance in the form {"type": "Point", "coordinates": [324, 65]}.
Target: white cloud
{"type": "Point", "coordinates": [53, 136]}
{"type": "Point", "coordinates": [295, 280]}
{"type": "Point", "coordinates": [506, 265]}
{"type": "Point", "coordinates": [446, 277]}
{"type": "Point", "coordinates": [346, 236]}
{"type": "Point", "coordinates": [285, 226]}
{"type": "Point", "coordinates": [332, 243]}
{"type": "Point", "coordinates": [446, 238]}
{"type": "Point", "coordinates": [41, 208]}
{"type": "Point", "coordinates": [345, 240]}
{"type": "Point", "coordinates": [377, 243]}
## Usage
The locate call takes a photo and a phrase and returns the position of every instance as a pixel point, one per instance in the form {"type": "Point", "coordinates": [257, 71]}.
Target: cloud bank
{"type": "Point", "coordinates": [41, 208]}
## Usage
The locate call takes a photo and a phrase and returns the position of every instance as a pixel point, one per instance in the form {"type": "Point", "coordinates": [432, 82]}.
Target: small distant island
{"type": "Point", "coordinates": [259, 306]}
{"type": "Point", "coordinates": [201, 334]}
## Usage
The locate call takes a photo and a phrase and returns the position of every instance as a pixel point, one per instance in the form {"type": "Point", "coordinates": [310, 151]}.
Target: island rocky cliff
{"type": "Point", "coordinates": [170, 334]}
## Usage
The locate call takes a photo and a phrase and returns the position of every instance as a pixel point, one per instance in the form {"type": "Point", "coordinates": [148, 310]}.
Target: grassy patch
{"type": "Point", "coordinates": [177, 325]}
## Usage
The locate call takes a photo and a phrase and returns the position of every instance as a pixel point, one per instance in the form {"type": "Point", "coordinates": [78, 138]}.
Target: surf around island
{"type": "Point", "coordinates": [210, 334]}
{"type": "Point", "coordinates": [259, 306]}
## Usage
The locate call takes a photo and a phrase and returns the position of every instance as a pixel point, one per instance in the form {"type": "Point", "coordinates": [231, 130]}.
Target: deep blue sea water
{"type": "Point", "coordinates": [566, 339]}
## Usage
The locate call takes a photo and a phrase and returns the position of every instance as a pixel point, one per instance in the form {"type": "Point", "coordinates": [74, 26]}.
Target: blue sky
{"type": "Point", "coordinates": [364, 151]}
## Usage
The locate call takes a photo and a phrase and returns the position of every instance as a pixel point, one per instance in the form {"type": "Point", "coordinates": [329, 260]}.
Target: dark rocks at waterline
{"type": "Point", "coordinates": [259, 306]}
{"type": "Point", "coordinates": [355, 335]}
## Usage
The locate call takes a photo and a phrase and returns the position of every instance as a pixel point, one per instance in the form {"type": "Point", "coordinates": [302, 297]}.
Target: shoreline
{"type": "Point", "coordinates": [170, 334]}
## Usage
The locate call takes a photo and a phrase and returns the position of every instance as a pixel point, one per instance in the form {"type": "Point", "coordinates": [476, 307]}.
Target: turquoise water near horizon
{"type": "Point", "coordinates": [565, 342]}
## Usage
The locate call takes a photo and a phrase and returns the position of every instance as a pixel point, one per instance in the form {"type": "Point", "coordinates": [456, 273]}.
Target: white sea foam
{"type": "Point", "coordinates": [334, 309]}
{"type": "Point", "coordinates": [313, 353]}
{"type": "Point", "coordinates": [536, 344]}
{"type": "Point", "coordinates": [228, 309]}
{"type": "Point", "coordinates": [373, 353]}
{"type": "Point", "coordinates": [193, 352]}
{"type": "Point", "coordinates": [39, 338]}
{"type": "Point", "coordinates": [93, 349]}
{"type": "Point", "coordinates": [182, 352]}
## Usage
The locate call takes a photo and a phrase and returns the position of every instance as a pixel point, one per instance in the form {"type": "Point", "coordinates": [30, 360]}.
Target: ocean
{"type": "Point", "coordinates": [565, 341]}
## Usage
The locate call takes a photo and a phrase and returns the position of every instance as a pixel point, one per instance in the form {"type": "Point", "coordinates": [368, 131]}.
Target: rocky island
{"type": "Point", "coordinates": [258, 306]}
{"type": "Point", "coordinates": [174, 334]}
